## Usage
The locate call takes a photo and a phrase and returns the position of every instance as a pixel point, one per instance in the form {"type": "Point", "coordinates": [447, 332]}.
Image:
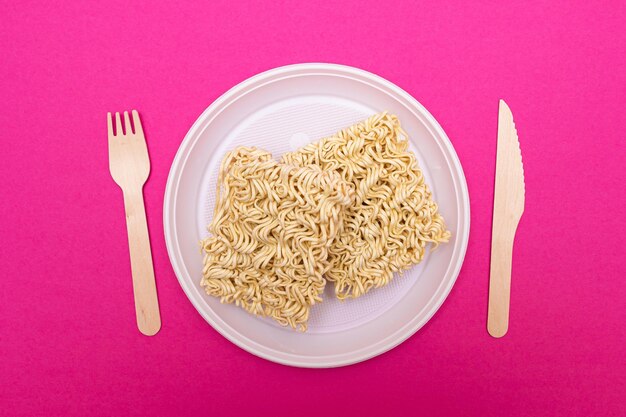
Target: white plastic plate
{"type": "Point", "coordinates": [281, 110]}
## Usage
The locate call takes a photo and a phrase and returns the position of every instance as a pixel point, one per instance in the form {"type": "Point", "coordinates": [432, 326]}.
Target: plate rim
{"type": "Point", "coordinates": [325, 361]}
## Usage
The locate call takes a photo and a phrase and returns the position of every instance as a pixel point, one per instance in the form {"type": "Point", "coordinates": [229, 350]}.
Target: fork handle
{"type": "Point", "coordinates": [144, 286]}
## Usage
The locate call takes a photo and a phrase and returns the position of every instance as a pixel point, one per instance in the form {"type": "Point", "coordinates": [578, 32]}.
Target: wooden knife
{"type": "Point", "coordinates": [508, 206]}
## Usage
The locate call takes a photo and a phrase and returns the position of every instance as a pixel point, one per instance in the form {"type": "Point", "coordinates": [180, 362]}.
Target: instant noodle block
{"type": "Point", "coordinates": [393, 218]}
{"type": "Point", "coordinates": [271, 232]}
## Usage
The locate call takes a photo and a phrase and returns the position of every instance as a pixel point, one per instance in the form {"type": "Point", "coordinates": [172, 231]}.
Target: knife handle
{"type": "Point", "coordinates": [500, 285]}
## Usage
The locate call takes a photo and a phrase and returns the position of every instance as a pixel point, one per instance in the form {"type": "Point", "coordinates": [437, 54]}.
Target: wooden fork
{"type": "Point", "coordinates": [129, 165]}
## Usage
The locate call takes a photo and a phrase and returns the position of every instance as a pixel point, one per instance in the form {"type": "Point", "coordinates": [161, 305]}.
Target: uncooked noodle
{"type": "Point", "coordinates": [272, 227]}
{"type": "Point", "coordinates": [352, 208]}
{"type": "Point", "coordinates": [394, 216]}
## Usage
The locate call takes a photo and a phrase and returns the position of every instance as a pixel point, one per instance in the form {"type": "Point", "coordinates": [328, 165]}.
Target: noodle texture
{"type": "Point", "coordinates": [270, 235]}
{"type": "Point", "coordinates": [393, 217]}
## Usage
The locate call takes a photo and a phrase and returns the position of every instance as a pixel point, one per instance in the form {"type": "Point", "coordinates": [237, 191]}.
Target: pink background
{"type": "Point", "coordinates": [68, 341]}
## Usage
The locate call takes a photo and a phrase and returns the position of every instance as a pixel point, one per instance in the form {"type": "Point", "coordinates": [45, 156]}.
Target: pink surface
{"type": "Point", "coordinates": [69, 345]}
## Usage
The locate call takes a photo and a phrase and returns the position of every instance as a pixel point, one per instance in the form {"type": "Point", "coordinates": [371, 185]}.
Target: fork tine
{"type": "Point", "coordinates": [129, 128]}
{"type": "Point", "coordinates": [137, 121]}
{"type": "Point", "coordinates": [118, 125]}
{"type": "Point", "coordinates": [109, 124]}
